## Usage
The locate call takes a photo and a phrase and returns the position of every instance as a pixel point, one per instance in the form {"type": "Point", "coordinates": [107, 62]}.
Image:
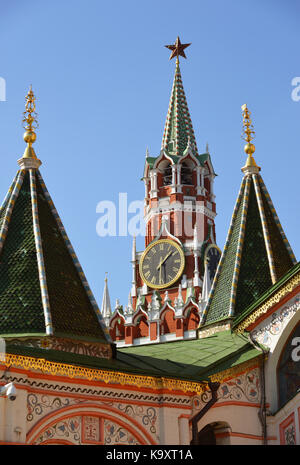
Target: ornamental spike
{"type": "Point", "coordinates": [30, 124]}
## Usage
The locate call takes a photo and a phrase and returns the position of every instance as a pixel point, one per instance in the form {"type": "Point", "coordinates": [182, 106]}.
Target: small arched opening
{"type": "Point", "coordinates": [167, 175]}
{"type": "Point", "coordinates": [141, 327]}
{"type": "Point", "coordinates": [186, 173]}
{"type": "Point", "coordinates": [168, 324]}
{"type": "Point", "coordinates": [117, 331]}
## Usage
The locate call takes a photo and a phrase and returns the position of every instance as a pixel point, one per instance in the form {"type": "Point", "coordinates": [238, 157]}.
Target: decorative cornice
{"type": "Point", "coordinates": [214, 328]}
{"type": "Point", "coordinates": [235, 371]}
{"type": "Point", "coordinates": [106, 376]}
{"type": "Point", "coordinates": [73, 346]}
{"type": "Point", "coordinates": [29, 163]}
{"type": "Point", "coordinates": [262, 309]}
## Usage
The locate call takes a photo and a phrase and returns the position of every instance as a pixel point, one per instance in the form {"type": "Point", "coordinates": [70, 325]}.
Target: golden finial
{"type": "Point", "coordinates": [248, 136]}
{"type": "Point", "coordinates": [30, 124]}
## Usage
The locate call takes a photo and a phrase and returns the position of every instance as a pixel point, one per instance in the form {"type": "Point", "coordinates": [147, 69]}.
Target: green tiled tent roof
{"type": "Point", "coordinates": [178, 128]}
{"type": "Point", "coordinates": [255, 256]}
{"type": "Point", "coordinates": [42, 286]}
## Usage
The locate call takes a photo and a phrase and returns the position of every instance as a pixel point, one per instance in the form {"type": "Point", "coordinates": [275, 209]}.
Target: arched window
{"type": "Point", "coordinates": [186, 174]}
{"type": "Point", "coordinates": [168, 324]}
{"type": "Point", "coordinates": [167, 176]}
{"type": "Point", "coordinates": [142, 328]}
{"type": "Point", "coordinates": [289, 368]}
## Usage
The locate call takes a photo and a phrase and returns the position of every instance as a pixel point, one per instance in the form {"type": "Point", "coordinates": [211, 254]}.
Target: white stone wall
{"type": "Point", "coordinates": [274, 332]}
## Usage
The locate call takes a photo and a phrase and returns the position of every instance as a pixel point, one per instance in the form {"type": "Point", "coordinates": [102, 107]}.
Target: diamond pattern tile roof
{"type": "Point", "coordinates": [256, 254]}
{"type": "Point", "coordinates": [43, 289]}
{"type": "Point", "coordinates": [178, 128]}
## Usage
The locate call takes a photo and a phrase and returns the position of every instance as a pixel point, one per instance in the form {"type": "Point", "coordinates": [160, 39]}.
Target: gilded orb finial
{"type": "Point", "coordinates": [248, 132]}
{"type": "Point", "coordinates": [30, 124]}
{"type": "Point", "coordinates": [248, 136]}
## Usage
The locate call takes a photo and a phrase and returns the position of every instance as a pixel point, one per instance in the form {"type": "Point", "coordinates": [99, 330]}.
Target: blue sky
{"type": "Point", "coordinates": [102, 79]}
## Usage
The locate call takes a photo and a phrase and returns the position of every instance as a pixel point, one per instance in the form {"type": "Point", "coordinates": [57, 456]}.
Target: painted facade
{"type": "Point", "coordinates": [181, 364]}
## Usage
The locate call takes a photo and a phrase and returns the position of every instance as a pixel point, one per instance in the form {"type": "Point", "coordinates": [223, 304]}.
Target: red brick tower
{"type": "Point", "coordinates": [171, 278]}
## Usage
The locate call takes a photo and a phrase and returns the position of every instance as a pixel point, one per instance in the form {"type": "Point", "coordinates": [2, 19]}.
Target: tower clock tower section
{"type": "Point", "coordinates": [171, 277]}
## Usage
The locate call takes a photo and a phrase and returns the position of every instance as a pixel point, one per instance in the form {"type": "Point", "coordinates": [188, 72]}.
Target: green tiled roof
{"type": "Point", "coordinates": [178, 127]}
{"type": "Point", "coordinates": [191, 360]}
{"type": "Point", "coordinates": [255, 256]}
{"type": "Point", "coordinates": [195, 360]}
{"type": "Point", "coordinates": [266, 295]}
{"type": "Point", "coordinates": [42, 286]}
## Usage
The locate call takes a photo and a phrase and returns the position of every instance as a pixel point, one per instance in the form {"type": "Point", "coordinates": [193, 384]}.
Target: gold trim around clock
{"type": "Point", "coordinates": [179, 273]}
{"type": "Point", "coordinates": [212, 246]}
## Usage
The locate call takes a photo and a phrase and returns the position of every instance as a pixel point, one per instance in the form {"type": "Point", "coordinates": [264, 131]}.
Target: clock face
{"type": "Point", "coordinates": [212, 256]}
{"type": "Point", "coordinates": [162, 264]}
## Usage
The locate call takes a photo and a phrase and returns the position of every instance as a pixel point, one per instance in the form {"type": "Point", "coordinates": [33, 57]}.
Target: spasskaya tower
{"type": "Point", "coordinates": [172, 276]}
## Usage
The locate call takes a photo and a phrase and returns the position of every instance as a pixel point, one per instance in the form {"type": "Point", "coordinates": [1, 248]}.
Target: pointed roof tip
{"type": "Point", "coordinates": [106, 305]}
{"type": "Point", "coordinates": [30, 124]}
{"type": "Point", "coordinates": [178, 132]}
{"type": "Point", "coordinates": [248, 136]}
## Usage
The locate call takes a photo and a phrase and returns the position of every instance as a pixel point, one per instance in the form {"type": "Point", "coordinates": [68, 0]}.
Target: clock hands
{"type": "Point", "coordinates": [163, 260]}
{"type": "Point", "coordinates": [160, 265]}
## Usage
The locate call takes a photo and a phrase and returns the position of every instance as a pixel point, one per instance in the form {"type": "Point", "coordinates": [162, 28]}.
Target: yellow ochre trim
{"type": "Point", "coordinates": [279, 295]}
{"type": "Point", "coordinates": [72, 371]}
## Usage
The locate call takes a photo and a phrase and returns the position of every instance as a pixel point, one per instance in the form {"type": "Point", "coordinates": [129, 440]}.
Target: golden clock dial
{"type": "Point", "coordinates": [162, 264]}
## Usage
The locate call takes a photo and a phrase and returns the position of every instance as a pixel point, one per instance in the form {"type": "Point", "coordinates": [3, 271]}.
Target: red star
{"type": "Point", "coordinates": [177, 49]}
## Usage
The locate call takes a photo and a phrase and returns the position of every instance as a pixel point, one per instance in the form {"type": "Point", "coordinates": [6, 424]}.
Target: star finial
{"type": "Point", "coordinates": [177, 49]}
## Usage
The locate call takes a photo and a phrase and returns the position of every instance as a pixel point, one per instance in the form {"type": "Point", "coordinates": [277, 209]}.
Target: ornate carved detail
{"type": "Point", "coordinates": [277, 297]}
{"type": "Point", "coordinates": [234, 371]}
{"type": "Point", "coordinates": [278, 319]}
{"type": "Point", "coordinates": [66, 345]}
{"type": "Point", "coordinates": [213, 329]}
{"type": "Point", "coordinates": [72, 371]}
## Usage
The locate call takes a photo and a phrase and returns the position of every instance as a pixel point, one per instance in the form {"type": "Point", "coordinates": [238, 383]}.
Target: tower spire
{"type": "Point", "coordinates": [30, 124]}
{"type": "Point", "coordinates": [106, 306]}
{"type": "Point", "coordinates": [178, 133]}
{"type": "Point", "coordinates": [248, 136]}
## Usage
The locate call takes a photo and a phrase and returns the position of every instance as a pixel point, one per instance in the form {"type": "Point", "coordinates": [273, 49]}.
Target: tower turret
{"type": "Point", "coordinates": [179, 215]}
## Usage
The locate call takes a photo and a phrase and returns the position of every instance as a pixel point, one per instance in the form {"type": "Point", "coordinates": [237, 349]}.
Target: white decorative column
{"type": "Point", "coordinates": [179, 189]}
{"type": "Point", "coordinates": [133, 262]}
{"type": "Point", "coordinates": [146, 181]}
{"type": "Point", "coordinates": [196, 280]}
{"type": "Point", "coordinates": [154, 190]}
{"type": "Point", "coordinates": [212, 195]}
{"type": "Point", "coordinates": [205, 289]}
{"type": "Point", "coordinates": [173, 186]}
